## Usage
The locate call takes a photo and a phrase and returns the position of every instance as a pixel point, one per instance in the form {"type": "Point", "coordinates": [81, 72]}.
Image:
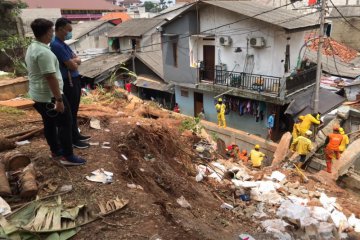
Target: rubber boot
{"type": "Point", "coordinates": [328, 166]}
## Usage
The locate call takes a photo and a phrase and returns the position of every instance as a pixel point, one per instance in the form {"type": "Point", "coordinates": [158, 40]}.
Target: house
{"type": "Point", "coordinates": [341, 30]}
{"type": "Point", "coordinates": [138, 34]}
{"type": "Point", "coordinates": [116, 17]}
{"type": "Point", "coordinates": [127, 3]}
{"type": "Point", "coordinates": [90, 35]}
{"type": "Point", "coordinates": [245, 52]}
{"type": "Point", "coordinates": [79, 10]}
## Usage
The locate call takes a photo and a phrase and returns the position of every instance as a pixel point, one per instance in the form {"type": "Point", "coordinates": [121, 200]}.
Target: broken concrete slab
{"type": "Point", "coordinates": [343, 112]}
{"type": "Point", "coordinates": [282, 149]}
{"type": "Point", "coordinates": [347, 159]}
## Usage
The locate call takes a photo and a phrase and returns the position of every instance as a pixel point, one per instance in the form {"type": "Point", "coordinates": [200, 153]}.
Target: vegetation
{"type": "Point", "coordinates": [157, 7]}
{"type": "Point", "coordinates": [11, 110]}
{"type": "Point", "coordinates": [192, 124]}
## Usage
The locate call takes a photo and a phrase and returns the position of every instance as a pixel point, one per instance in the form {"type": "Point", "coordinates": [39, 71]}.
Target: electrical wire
{"type": "Point", "coordinates": [181, 36]}
{"type": "Point", "coordinates": [343, 16]}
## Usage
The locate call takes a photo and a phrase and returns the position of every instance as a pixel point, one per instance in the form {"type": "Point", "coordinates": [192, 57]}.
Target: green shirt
{"type": "Point", "coordinates": [40, 60]}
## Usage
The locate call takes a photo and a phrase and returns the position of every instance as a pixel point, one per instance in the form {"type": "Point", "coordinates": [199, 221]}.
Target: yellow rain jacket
{"type": "Point", "coordinates": [220, 109]}
{"type": "Point", "coordinates": [306, 123]}
{"type": "Point", "coordinates": [302, 145]}
{"type": "Point", "coordinates": [296, 130]}
{"type": "Point", "coordinates": [344, 142]}
{"type": "Point", "coordinates": [256, 158]}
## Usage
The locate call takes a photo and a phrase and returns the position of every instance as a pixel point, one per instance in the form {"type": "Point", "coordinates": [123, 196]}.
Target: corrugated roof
{"type": "Point", "coordinates": [153, 60]}
{"type": "Point", "coordinates": [98, 65]}
{"type": "Point", "coordinates": [116, 15]}
{"type": "Point", "coordinates": [328, 65]}
{"type": "Point", "coordinates": [135, 27]}
{"type": "Point", "coordinates": [80, 29]}
{"type": "Point", "coordinates": [173, 11]}
{"type": "Point", "coordinates": [346, 11]}
{"type": "Point", "coordinates": [279, 17]}
{"type": "Point", "coordinates": [151, 82]}
{"type": "Point", "coordinates": [73, 5]}
{"type": "Point", "coordinates": [302, 103]}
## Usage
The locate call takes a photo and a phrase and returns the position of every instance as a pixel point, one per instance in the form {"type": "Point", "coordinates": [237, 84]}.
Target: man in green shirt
{"type": "Point", "coordinates": [46, 84]}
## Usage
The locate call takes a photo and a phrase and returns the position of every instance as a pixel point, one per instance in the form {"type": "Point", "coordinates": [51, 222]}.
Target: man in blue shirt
{"type": "Point", "coordinates": [69, 64]}
{"type": "Point", "coordinates": [270, 125]}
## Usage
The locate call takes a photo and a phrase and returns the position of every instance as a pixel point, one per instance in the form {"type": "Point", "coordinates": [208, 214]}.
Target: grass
{"type": "Point", "coordinates": [11, 110]}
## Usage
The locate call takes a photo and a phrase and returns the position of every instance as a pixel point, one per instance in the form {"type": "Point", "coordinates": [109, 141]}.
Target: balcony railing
{"type": "Point", "coordinates": [300, 80]}
{"type": "Point", "coordinates": [241, 80]}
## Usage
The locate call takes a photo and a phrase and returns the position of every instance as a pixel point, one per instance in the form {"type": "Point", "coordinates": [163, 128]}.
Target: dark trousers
{"type": "Point", "coordinates": [57, 126]}
{"type": "Point", "coordinates": [73, 95]}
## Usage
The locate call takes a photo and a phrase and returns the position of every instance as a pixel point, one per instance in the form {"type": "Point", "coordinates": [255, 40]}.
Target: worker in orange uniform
{"type": "Point", "coordinates": [256, 157]}
{"type": "Point", "coordinates": [302, 145]}
{"type": "Point", "coordinates": [333, 141]}
{"type": "Point", "coordinates": [344, 142]}
{"type": "Point", "coordinates": [296, 129]}
{"type": "Point", "coordinates": [220, 109]}
{"type": "Point", "coordinates": [307, 123]}
{"type": "Point", "coordinates": [243, 156]}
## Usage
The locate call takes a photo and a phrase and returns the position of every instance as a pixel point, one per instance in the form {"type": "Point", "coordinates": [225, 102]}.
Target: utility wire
{"type": "Point", "coordinates": [227, 24]}
{"type": "Point", "coordinates": [343, 16]}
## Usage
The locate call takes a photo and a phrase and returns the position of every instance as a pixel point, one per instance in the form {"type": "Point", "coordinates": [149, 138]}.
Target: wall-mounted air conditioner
{"type": "Point", "coordinates": [225, 40]}
{"type": "Point", "coordinates": [257, 42]}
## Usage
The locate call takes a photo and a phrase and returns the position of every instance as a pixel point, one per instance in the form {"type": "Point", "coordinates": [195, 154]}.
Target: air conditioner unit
{"type": "Point", "coordinates": [258, 42]}
{"type": "Point", "coordinates": [225, 40]}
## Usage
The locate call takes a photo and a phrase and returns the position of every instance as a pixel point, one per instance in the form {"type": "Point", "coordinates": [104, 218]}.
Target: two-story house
{"type": "Point", "coordinates": [248, 53]}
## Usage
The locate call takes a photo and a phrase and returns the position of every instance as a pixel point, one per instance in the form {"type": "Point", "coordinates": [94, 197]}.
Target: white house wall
{"type": "Point", "coordinates": [125, 44]}
{"type": "Point", "coordinates": [267, 60]}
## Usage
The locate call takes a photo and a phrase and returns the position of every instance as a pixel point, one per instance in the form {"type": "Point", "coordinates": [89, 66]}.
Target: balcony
{"type": "Point", "coordinates": [300, 80]}
{"type": "Point", "coordinates": [267, 85]}
{"type": "Point", "coordinates": [241, 80]}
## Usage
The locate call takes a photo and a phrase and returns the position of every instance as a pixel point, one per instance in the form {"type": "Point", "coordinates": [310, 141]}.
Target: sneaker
{"type": "Point", "coordinates": [81, 145]}
{"type": "Point", "coordinates": [83, 138]}
{"type": "Point", "coordinates": [72, 161]}
{"type": "Point", "coordinates": [56, 155]}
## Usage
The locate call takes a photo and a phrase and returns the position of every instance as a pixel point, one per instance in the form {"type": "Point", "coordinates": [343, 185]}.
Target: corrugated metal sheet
{"type": "Point", "coordinates": [174, 11]}
{"type": "Point", "coordinates": [302, 103]}
{"type": "Point", "coordinates": [73, 5]}
{"type": "Point", "coordinates": [150, 82]}
{"type": "Point", "coordinates": [153, 60]}
{"type": "Point", "coordinates": [279, 17]}
{"type": "Point", "coordinates": [80, 29]}
{"type": "Point", "coordinates": [135, 27]}
{"type": "Point", "coordinates": [98, 65]}
{"type": "Point", "coordinates": [328, 64]}
{"type": "Point", "coordinates": [346, 11]}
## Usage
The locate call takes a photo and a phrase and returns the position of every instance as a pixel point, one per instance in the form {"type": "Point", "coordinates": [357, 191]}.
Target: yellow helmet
{"type": "Point", "coordinates": [220, 100]}
{"type": "Point", "coordinates": [341, 130]}
{"type": "Point", "coordinates": [257, 146]}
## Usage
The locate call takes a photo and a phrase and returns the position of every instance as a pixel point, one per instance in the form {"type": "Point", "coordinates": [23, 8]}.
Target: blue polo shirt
{"type": "Point", "coordinates": [63, 53]}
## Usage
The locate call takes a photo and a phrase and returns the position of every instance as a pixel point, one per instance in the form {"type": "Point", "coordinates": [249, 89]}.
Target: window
{"type": "Point", "coordinates": [174, 48]}
{"type": "Point", "coordinates": [184, 93]}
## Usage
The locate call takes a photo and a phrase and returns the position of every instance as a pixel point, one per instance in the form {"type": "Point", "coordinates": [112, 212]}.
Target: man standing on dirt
{"type": "Point", "coordinates": [69, 64]}
{"type": "Point", "coordinates": [256, 157]}
{"type": "Point", "coordinates": [46, 89]}
{"type": "Point", "coordinates": [332, 142]}
{"type": "Point", "coordinates": [270, 125]}
{"type": "Point", "coordinates": [302, 145]}
{"type": "Point", "coordinates": [220, 109]}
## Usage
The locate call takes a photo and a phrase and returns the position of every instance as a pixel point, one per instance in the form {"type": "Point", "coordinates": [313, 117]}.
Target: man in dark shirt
{"type": "Point", "coordinates": [69, 64]}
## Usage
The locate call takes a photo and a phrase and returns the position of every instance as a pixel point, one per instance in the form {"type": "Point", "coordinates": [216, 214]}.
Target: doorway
{"type": "Point", "coordinates": [209, 62]}
{"type": "Point", "coordinates": [198, 103]}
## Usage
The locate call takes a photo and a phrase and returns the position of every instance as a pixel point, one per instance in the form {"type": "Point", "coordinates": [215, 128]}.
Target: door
{"type": "Point", "coordinates": [209, 62]}
{"type": "Point", "coordinates": [198, 103]}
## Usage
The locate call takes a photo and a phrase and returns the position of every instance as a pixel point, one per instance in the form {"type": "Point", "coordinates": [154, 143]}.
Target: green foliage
{"type": "Point", "coordinates": [149, 5]}
{"type": "Point", "coordinates": [123, 73]}
{"type": "Point", "coordinates": [192, 124]}
{"type": "Point", "coordinates": [11, 110]}
{"type": "Point", "coordinates": [14, 47]}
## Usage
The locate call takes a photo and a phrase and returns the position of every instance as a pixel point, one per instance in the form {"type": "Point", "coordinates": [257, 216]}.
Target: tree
{"type": "Point", "coordinates": [162, 4]}
{"type": "Point", "coordinates": [148, 6]}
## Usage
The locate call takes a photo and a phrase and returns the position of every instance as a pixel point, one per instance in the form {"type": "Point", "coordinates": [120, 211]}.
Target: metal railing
{"type": "Point", "coordinates": [300, 80]}
{"type": "Point", "coordinates": [254, 82]}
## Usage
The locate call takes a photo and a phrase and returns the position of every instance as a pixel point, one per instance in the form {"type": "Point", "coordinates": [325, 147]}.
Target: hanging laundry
{"type": "Point", "coordinates": [248, 107]}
